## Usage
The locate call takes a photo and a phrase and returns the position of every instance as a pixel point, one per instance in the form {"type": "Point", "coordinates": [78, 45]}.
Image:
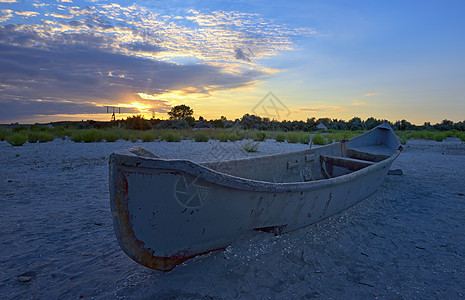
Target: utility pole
{"type": "Point", "coordinates": [113, 110]}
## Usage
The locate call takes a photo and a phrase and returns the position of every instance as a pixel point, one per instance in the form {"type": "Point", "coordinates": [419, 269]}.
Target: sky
{"type": "Point", "coordinates": [71, 59]}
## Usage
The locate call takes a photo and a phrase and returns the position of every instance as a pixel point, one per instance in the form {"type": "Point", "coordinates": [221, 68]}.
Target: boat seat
{"type": "Point", "coordinates": [351, 164]}
{"type": "Point", "coordinates": [375, 153]}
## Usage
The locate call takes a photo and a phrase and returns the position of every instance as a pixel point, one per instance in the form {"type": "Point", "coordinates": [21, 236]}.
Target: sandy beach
{"type": "Point", "coordinates": [405, 241]}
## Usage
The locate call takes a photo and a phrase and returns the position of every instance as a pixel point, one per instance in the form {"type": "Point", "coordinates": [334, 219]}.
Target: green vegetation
{"type": "Point", "coordinates": [3, 133]}
{"type": "Point", "coordinates": [201, 137]}
{"type": "Point", "coordinates": [171, 136]}
{"type": "Point", "coordinates": [280, 137]}
{"type": "Point", "coordinates": [251, 146]}
{"type": "Point", "coordinates": [87, 135]}
{"type": "Point", "coordinates": [260, 136]}
{"type": "Point", "coordinates": [318, 139]}
{"type": "Point", "coordinates": [234, 137]}
{"type": "Point", "coordinates": [39, 136]}
{"type": "Point", "coordinates": [298, 137]}
{"type": "Point", "coordinates": [148, 136]}
{"type": "Point", "coordinates": [250, 127]}
{"type": "Point", "coordinates": [16, 139]}
{"type": "Point", "coordinates": [110, 136]}
{"type": "Point", "coordinates": [222, 137]}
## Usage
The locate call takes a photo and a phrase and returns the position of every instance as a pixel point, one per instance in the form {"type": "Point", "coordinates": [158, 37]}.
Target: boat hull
{"type": "Point", "coordinates": [167, 211]}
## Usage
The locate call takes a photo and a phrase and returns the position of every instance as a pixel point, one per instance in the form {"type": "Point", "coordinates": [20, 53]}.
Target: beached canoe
{"type": "Point", "coordinates": [166, 211]}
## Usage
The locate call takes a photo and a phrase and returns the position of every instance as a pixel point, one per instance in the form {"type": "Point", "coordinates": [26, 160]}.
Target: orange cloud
{"type": "Point", "coordinates": [357, 102]}
{"type": "Point", "coordinates": [322, 108]}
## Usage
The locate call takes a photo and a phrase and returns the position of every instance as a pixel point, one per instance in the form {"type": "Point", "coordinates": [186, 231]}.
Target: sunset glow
{"type": "Point", "coordinates": [70, 59]}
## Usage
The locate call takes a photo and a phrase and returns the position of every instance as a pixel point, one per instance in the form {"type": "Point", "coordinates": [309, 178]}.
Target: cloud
{"type": "Point", "coordinates": [61, 16]}
{"type": "Point", "coordinates": [72, 73]}
{"type": "Point", "coordinates": [8, 1]}
{"type": "Point", "coordinates": [27, 14]}
{"type": "Point", "coordinates": [370, 94]}
{"type": "Point", "coordinates": [86, 57]}
{"type": "Point", "coordinates": [321, 108]}
{"type": "Point", "coordinates": [241, 55]}
{"type": "Point", "coordinates": [357, 102]}
{"type": "Point", "coordinates": [6, 14]}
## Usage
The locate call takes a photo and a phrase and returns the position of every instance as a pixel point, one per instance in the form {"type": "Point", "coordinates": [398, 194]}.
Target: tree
{"type": "Point", "coordinates": [371, 123]}
{"type": "Point", "coordinates": [180, 112]}
{"type": "Point", "coordinates": [355, 124]}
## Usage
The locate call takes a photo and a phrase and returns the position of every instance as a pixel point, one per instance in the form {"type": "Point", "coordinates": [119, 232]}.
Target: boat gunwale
{"type": "Point", "coordinates": [223, 179]}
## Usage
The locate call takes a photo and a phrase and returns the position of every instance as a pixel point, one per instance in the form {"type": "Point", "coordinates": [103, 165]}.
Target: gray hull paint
{"type": "Point", "coordinates": [167, 211]}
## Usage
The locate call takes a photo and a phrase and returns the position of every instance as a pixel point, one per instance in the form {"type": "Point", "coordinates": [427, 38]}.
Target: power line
{"type": "Point", "coordinates": [113, 110]}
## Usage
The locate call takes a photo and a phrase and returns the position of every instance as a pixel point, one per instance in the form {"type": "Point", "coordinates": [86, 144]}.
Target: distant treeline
{"type": "Point", "coordinates": [253, 122]}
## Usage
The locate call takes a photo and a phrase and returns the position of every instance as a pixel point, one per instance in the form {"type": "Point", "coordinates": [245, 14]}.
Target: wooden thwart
{"type": "Point", "coordinates": [366, 156]}
{"type": "Point", "coordinates": [345, 162]}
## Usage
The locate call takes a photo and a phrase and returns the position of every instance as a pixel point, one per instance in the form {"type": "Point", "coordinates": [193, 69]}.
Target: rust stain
{"type": "Point", "coordinates": [327, 203]}
{"type": "Point", "coordinates": [135, 248]}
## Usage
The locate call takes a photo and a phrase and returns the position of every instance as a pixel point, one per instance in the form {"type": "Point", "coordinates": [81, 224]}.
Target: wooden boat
{"type": "Point", "coordinates": [166, 211]}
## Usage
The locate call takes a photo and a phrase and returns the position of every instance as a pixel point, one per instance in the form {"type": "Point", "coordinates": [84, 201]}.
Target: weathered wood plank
{"type": "Point", "coordinates": [346, 162]}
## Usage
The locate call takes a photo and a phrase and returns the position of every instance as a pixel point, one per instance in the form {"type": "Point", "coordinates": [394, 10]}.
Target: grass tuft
{"type": "Point", "coordinates": [280, 137]}
{"type": "Point", "coordinates": [201, 137]}
{"type": "Point", "coordinates": [148, 136]}
{"type": "Point", "coordinates": [293, 137]}
{"type": "Point", "coordinates": [87, 135]}
{"type": "Point", "coordinates": [170, 136]}
{"type": "Point", "coordinates": [222, 137]}
{"type": "Point", "coordinates": [250, 146]}
{"type": "Point", "coordinates": [234, 137]}
{"type": "Point", "coordinates": [17, 139]}
{"type": "Point", "coordinates": [4, 133]}
{"type": "Point", "coordinates": [318, 139]}
{"type": "Point", "coordinates": [260, 136]}
{"type": "Point", "coordinates": [110, 136]}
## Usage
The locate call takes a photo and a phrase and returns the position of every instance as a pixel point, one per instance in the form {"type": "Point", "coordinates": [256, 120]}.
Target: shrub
{"type": "Point", "coordinates": [110, 136]}
{"type": "Point", "coordinates": [138, 123]}
{"type": "Point", "coordinates": [4, 133]}
{"type": "Point", "coordinates": [339, 135]}
{"type": "Point", "coordinates": [293, 137]}
{"type": "Point", "coordinates": [125, 135]}
{"type": "Point", "coordinates": [148, 136]}
{"type": "Point", "coordinates": [87, 135]}
{"type": "Point", "coordinates": [45, 136]}
{"type": "Point", "coordinates": [223, 137]}
{"type": "Point", "coordinates": [420, 135]}
{"type": "Point", "coordinates": [170, 136]}
{"type": "Point", "coordinates": [134, 138]}
{"type": "Point", "coordinates": [280, 137]}
{"type": "Point", "coordinates": [61, 132]}
{"type": "Point", "coordinates": [19, 129]}
{"type": "Point", "coordinates": [462, 136]}
{"type": "Point", "coordinates": [304, 138]}
{"type": "Point", "coordinates": [201, 137]}
{"type": "Point", "coordinates": [173, 124]}
{"type": "Point", "coordinates": [39, 136]}
{"type": "Point", "coordinates": [318, 139]}
{"type": "Point", "coordinates": [33, 137]}
{"type": "Point", "coordinates": [233, 137]}
{"type": "Point", "coordinates": [440, 136]}
{"type": "Point", "coordinates": [250, 146]}
{"type": "Point", "coordinates": [260, 136]}
{"type": "Point", "coordinates": [17, 139]}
